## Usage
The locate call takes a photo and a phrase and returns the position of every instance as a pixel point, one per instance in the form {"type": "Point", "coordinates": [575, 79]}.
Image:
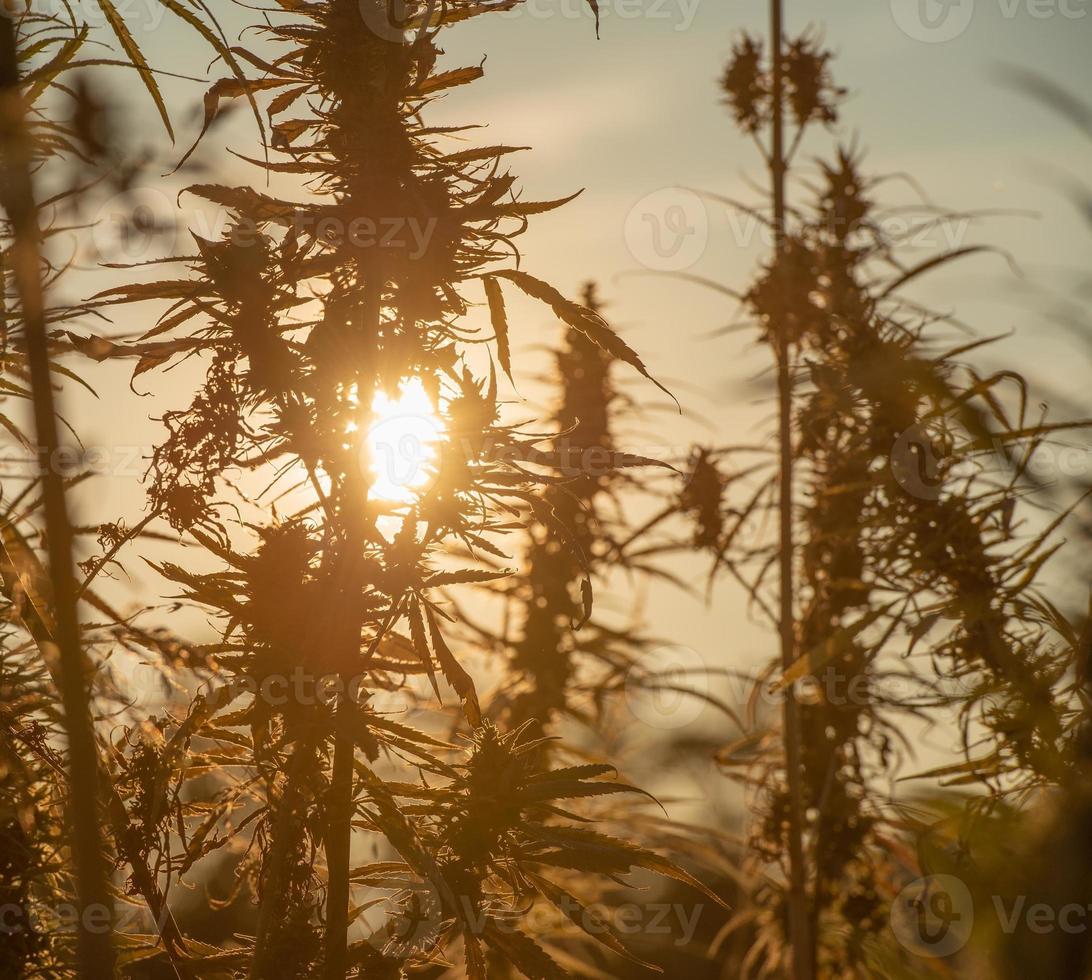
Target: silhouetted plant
{"type": "Point", "coordinates": [303, 329]}
{"type": "Point", "coordinates": [901, 574]}
{"type": "Point", "coordinates": [901, 537]}
{"type": "Point", "coordinates": [1035, 855]}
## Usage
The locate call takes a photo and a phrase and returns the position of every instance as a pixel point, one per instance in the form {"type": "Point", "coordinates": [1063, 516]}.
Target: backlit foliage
{"type": "Point", "coordinates": [385, 756]}
{"type": "Point", "coordinates": [917, 573]}
{"type": "Point", "coordinates": [301, 320]}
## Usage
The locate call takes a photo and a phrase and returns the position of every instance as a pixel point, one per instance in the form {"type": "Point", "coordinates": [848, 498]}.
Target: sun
{"type": "Point", "coordinates": [400, 446]}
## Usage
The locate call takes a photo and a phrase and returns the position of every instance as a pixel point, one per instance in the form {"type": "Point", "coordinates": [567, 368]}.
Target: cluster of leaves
{"type": "Point", "coordinates": [300, 331]}
{"type": "Point", "coordinates": [1035, 854]}
{"type": "Point", "coordinates": [917, 580]}
{"type": "Point", "coordinates": [914, 573]}
{"type": "Point", "coordinates": [44, 129]}
{"type": "Point", "coordinates": [809, 90]}
{"type": "Point", "coordinates": [562, 661]}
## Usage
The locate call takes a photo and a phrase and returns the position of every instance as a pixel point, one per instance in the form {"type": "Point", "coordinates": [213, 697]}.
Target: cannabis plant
{"type": "Point", "coordinates": [309, 313]}
{"type": "Point", "coordinates": [905, 580]}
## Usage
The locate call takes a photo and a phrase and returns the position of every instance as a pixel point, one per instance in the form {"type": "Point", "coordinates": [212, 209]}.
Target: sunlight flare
{"type": "Point", "coordinates": [400, 445]}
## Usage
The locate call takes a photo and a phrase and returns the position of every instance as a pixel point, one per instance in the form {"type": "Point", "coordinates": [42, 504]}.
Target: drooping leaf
{"type": "Point", "coordinates": [619, 854]}
{"type": "Point", "coordinates": [589, 919]}
{"type": "Point", "coordinates": [581, 318]}
{"type": "Point", "coordinates": [420, 644]}
{"type": "Point", "coordinates": [226, 89]}
{"type": "Point", "coordinates": [594, 4]}
{"type": "Point", "coordinates": [136, 56]}
{"type": "Point", "coordinates": [457, 677]}
{"type": "Point", "coordinates": [587, 597]}
{"type": "Point", "coordinates": [499, 318]}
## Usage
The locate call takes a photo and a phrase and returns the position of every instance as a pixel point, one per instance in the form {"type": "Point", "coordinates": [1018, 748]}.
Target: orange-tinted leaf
{"type": "Point", "coordinates": [499, 318]}
{"type": "Point", "coordinates": [457, 677]}
{"type": "Point", "coordinates": [581, 318]}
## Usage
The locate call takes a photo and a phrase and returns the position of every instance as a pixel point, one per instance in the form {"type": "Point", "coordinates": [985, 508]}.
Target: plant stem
{"type": "Point", "coordinates": [338, 842]}
{"type": "Point", "coordinates": [339, 827]}
{"type": "Point", "coordinates": [799, 923]}
{"type": "Point", "coordinates": [263, 965]}
{"type": "Point", "coordinates": [94, 948]}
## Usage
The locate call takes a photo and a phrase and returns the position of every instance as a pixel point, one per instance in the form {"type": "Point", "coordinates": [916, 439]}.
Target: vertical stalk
{"type": "Point", "coordinates": [95, 954]}
{"type": "Point", "coordinates": [339, 829]}
{"type": "Point", "coordinates": [799, 923]}
{"type": "Point", "coordinates": [338, 842]}
{"type": "Point", "coordinates": [263, 964]}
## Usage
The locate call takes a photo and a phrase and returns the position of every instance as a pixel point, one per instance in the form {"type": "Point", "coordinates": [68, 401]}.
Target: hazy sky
{"type": "Point", "coordinates": [634, 118]}
{"type": "Point", "coordinates": [638, 113]}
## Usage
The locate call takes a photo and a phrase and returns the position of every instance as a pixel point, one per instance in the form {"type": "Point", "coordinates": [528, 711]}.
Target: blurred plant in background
{"type": "Point", "coordinates": [911, 577]}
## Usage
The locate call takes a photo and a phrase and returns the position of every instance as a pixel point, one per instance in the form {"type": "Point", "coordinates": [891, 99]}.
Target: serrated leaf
{"type": "Point", "coordinates": [449, 79]}
{"type": "Point", "coordinates": [136, 56]}
{"type": "Point", "coordinates": [261, 207]}
{"type": "Point", "coordinates": [420, 644]}
{"type": "Point", "coordinates": [481, 153]}
{"type": "Point", "coordinates": [581, 318]}
{"type": "Point", "coordinates": [467, 576]}
{"type": "Point", "coordinates": [457, 677]}
{"type": "Point", "coordinates": [589, 919]}
{"type": "Point", "coordinates": [590, 771]}
{"type": "Point", "coordinates": [525, 954]}
{"type": "Point", "coordinates": [621, 854]}
{"type": "Point", "coordinates": [499, 317]}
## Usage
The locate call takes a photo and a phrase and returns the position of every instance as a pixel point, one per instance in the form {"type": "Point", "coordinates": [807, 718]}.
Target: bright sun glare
{"type": "Point", "coordinates": [401, 443]}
